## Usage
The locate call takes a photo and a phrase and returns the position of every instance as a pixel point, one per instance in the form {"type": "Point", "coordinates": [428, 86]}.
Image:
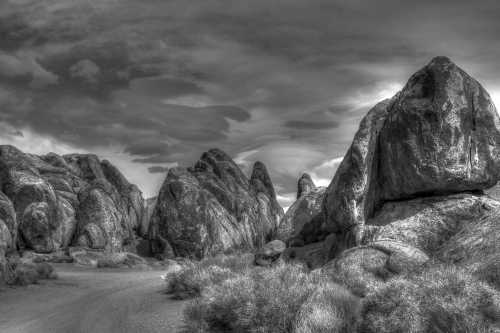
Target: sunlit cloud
{"type": "Point", "coordinates": [368, 98]}
{"type": "Point", "coordinates": [323, 174]}
{"type": "Point", "coordinates": [495, 96]}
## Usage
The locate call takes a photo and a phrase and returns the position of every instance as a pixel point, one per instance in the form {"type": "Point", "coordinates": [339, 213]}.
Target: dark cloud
{"type": "Point", "coordinates": [165, 87]}
{"type": "Point", "coordinates": [310, 125]}
{"type": "Point", "coordinates": [157, 169]}
{"type": "Point", "coordinates": [164, 81]}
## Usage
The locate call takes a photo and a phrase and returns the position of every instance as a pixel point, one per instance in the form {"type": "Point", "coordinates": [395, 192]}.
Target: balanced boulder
{"type": "Point", "coordinates": [441, 136]}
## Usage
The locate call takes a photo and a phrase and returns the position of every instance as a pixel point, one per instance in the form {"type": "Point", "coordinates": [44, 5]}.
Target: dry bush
{"type": "Point", "coordinates": [189, 281]}
{"type": "Point", "coordinates": [439, 299]}
{"type": "Point", "coordinates": [283, 298]}
{"type": "Point", "coordinates": [29, 273]}
{"type": "Point", "coordinates": [330, 309]}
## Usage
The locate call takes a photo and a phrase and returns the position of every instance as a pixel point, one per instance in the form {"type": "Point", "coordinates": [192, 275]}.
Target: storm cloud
{"type": "Point", "coordinates": [155, 83]}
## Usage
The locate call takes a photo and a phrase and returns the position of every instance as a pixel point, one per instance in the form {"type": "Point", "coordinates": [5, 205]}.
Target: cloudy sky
{"type": "Point", "coordinates": [150, 84]}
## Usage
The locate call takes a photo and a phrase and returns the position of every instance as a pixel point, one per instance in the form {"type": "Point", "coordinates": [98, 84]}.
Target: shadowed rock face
{"type": "Point", "coordinates": [303, 210]}
{"type": "Point", "coordinates": [149, 206]}
{"type": "Point", "coordinates": [66, 200]}
{"type": "Point", "coordinates": [213, 207]}
{"type": "Point", "coordinates": [347, 197]}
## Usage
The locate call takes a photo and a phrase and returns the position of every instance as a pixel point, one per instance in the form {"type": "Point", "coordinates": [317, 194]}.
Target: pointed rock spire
{"type": "Point", "coordinates": [304, 185]}
{"type": "Point", "coordinates": [261, 181]}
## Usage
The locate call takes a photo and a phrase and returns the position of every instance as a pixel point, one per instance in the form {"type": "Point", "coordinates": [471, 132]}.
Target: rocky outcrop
{"type": "Point", "coordinates": [55, 201]}
{"type": "Point", "coordinates": [303, 210]}
{"type": "Point", "coordinates": [213, 207]}
{"type": "Point", "coordinates": [428, 222]}
{"type": "Point", "coordinates": [439, 135]}
{"type": "Point", "coordinates": [411, 185]}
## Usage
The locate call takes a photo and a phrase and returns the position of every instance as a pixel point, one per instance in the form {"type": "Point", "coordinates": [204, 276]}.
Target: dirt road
{"type": "Point", "coordinates": [91, 300]}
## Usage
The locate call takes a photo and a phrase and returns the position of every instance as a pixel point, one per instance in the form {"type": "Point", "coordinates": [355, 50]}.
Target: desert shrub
{"type": "Point", "coordinates": [45, 271]}
{"type": "Point", "coordinates": [330, 309]}
{"type": "Point", "coordinates": [29, 273]}
{"type": "Point", "coordinates": [488, 270]}
{"type": "Point", "coordinates": [438, 299]}
{"type": "Point", "coordinates": [189, 281]}
{"type": "Point", "coordinates": [108, 263]}
{"type": "Point", "coordinates": [266, 300]}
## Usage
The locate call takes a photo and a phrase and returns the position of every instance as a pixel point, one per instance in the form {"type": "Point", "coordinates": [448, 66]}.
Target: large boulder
{"type": "Point", "coordinates": [269, 253]}
{"type": "Point", "coordinates": [442, 136]}
{"type": "Point", "coordinates": [303, 210]}
{"type": "Point", "coordinates": [213, 207]}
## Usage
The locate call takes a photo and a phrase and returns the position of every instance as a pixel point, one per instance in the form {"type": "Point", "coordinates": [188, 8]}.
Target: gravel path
{"type": "Point", "coordinates": [91, 300]}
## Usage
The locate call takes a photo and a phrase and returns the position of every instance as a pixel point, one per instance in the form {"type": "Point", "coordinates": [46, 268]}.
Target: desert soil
{"type": "Point", "coordinates": [91, 300]}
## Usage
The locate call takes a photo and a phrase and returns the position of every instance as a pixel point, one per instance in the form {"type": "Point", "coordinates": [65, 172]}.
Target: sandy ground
{"type": "Point", "coordinates": [91, 300]}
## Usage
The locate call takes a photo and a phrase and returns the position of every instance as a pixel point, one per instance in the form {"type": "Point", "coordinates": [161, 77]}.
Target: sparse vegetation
{"type": "Point", "coordinates": [194, 276]}
{"type": "Point", "coordinates": [23, 273]}
{"type": "Point", "coordinates": [488, 270]}
{"type": "Point", "coordinates": [235, 296]}
{"type": "Point", "coordinates": [232, 295]}
{"type": "Point", "coordinates": [330, 309]}
{"type": "Point", "coordinates": [439, 299]}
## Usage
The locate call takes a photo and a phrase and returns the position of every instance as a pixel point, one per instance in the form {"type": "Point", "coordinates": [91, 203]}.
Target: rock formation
{"type": "Point", "coordinates": [213, 207]}
{"type": "Point", "coordinates": [439, 135]}
{"type": "Point", "coordinates": [55, 201]}
{"type": "Point", "coordinates": [303, 210]}
{"type": "Point", "coordinates": [347, 197]}
{"type": "Point", "coordinates": [305, 185]}
{"type": "Point", "coordinates": [411, 185]}
{"type": "Point", "coordinates": [444, 127]}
